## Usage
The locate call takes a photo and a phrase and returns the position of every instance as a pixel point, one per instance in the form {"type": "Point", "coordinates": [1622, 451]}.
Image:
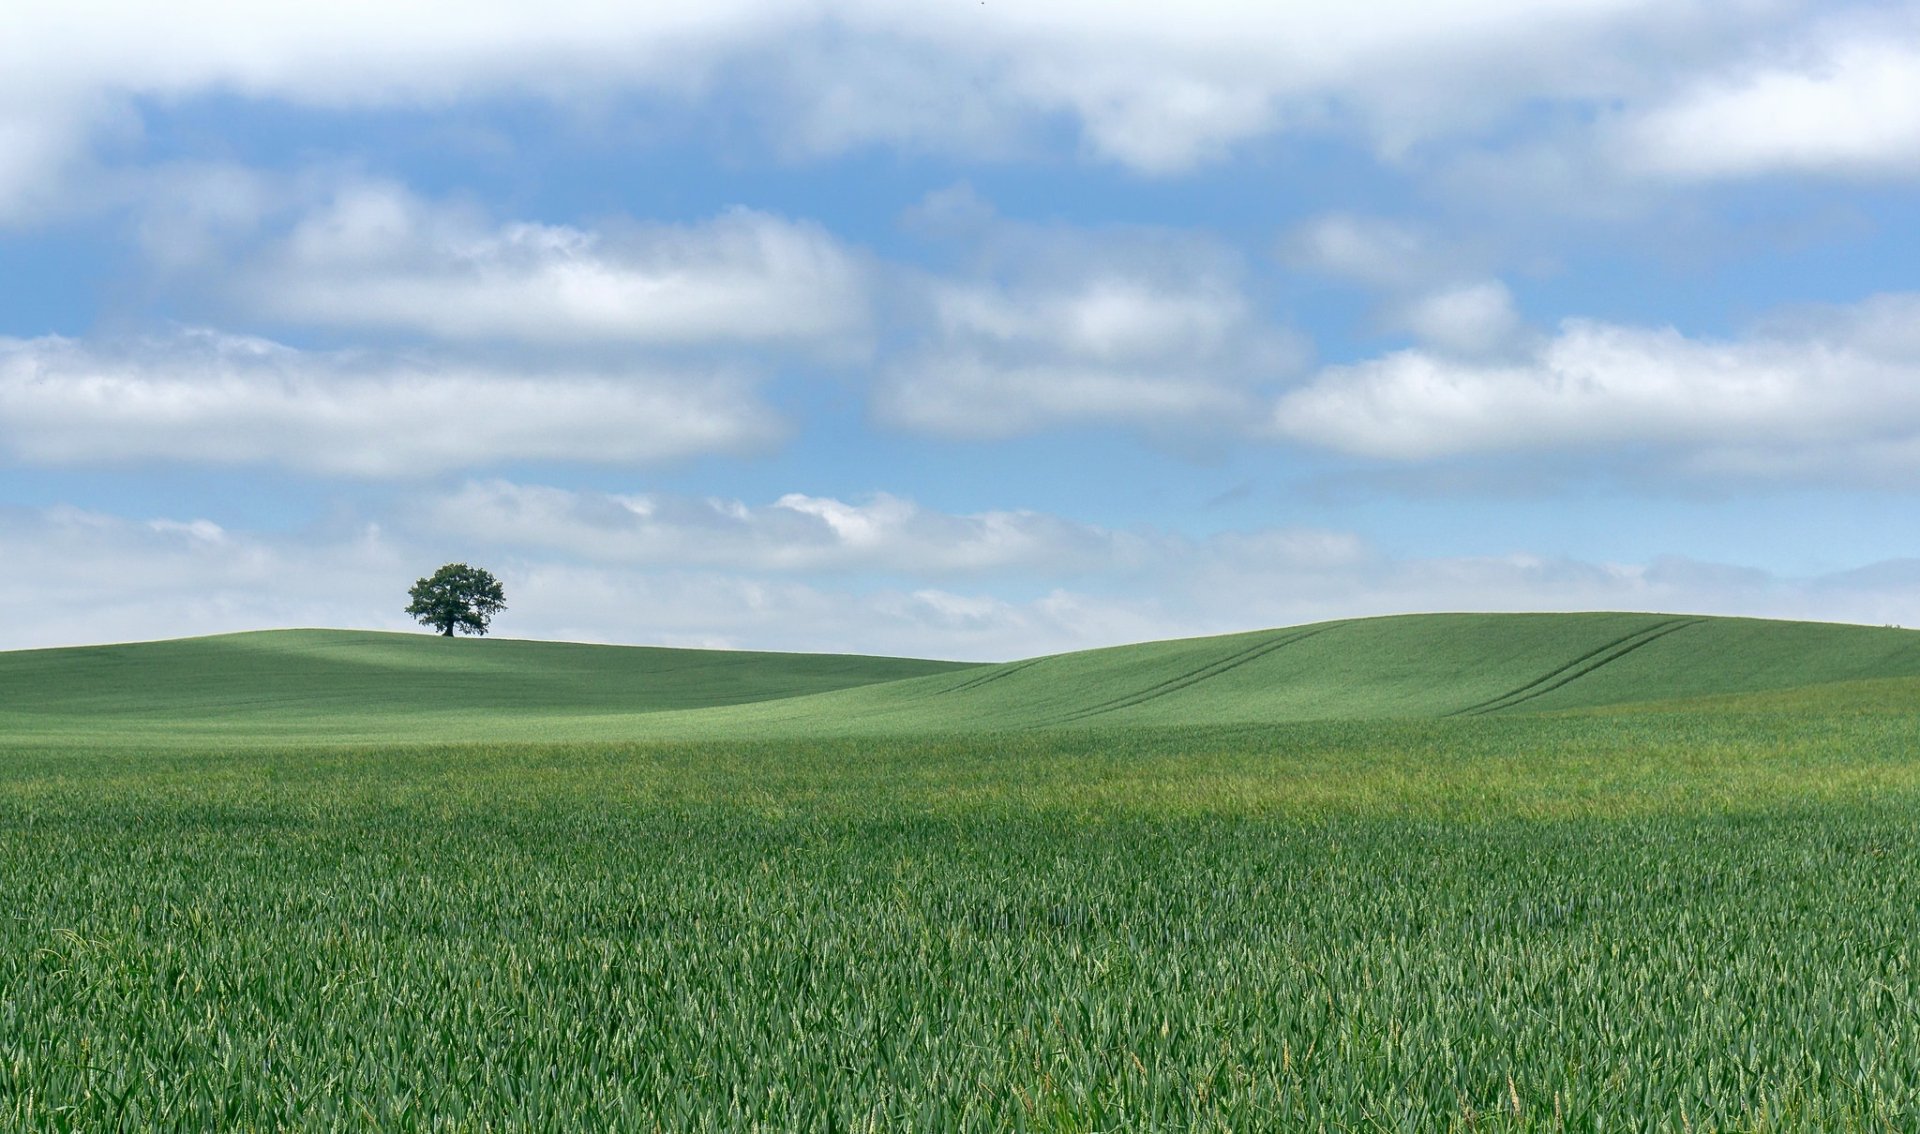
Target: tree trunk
{"type": "Point", "coordinates": [448, 632]}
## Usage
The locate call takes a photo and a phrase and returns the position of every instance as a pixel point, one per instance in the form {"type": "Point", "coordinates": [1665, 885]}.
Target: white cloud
{"type": "Point", "coordinates": [78, 577]}
{"type": "Point", "coordinates": [800, 533]}
{"type": "Point", "coordinates": [1196, 595]}
{"type": "Point", "coordinates": [42, 145]}
{"type": "Point", "coordinates": [1829, 392]}
{"type": "Point", "coordinates": [1469, 318]}
{"type": "Point", "coordinates": [1105, 318]}
{"type": "Point", "coordinates": [1050, 328]}
{"type": "Point", "coordinates": [1151, 86]}
{"type": "Point", "coordinates": [1162, 87]}
{"type": "Point", "coordinates": [1848, 107]}
{"type": "Point", "coordinates": [207, 398]}
{"type": "Point", "coordinates": [378, 257]}
{"type": "Point", "coordinates": [1372, 251]}
{"type": "Point", "coordinates": [365, 54]}
{"type": "Point", "coordinates": [1429, 287]}
{"type": "Point", "coordinates": [75, 576]}
{"type": "Point", "coordinates": [795, 533]}
{"type": "Point", "coordinates": [583, 603]}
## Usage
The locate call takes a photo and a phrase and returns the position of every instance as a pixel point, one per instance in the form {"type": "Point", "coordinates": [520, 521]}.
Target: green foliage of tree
{"type": "Point", "coordinates": [457, 597]}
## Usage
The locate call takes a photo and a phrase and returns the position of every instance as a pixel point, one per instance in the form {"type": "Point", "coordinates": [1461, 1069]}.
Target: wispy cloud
{"type": "Point", "coordinates": [1431, 288]}
{"type": "Point", "coordinates": [1375, 252]}
{"type": "Point", "coordinates": [794, 533]}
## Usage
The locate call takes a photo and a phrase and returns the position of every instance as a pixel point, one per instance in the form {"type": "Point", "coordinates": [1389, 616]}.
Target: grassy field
{"type": "Point", "coordinates": [285, 685]}
{"type": "Point", "coordinates": [1620, 872]}
{"type": "Point", "coordinates": [300, 686]}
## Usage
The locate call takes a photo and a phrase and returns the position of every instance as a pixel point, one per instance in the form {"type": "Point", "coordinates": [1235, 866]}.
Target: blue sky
{"type": "Point", "coordinates": [956, 329]}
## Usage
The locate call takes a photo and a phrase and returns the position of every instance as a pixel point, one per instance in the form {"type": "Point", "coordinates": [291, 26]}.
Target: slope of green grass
{"type": "Point", "coordinates": [1434, 665]}
{"type": "Point", "coordinates": [343, 684]}
{"type": "Point", "coordinates": [311, 685]}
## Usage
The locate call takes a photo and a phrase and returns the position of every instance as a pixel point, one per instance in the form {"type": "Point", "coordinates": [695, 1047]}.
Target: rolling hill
{"type": "Point", "coordinates": [317, 685]}
{"type": "Point", "coordinates": [348, 684]}
{"type": "Point", "coordinates": [1408, 666]}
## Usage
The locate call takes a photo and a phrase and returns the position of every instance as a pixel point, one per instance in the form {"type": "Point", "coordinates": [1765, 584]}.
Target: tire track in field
{"type": "Point", "coordinates": [1191, 677]}
{"type": "Point", "coordinates": [1558, 670]}
{"type": "Point", "coordinates": [996, 674]}
{"type": "Point", "coordinates": [1578, 668]}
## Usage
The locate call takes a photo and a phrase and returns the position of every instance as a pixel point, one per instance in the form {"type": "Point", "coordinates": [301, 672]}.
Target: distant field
{"type": "Point", "coordinates": [345, 684]}
{"type": "Point", "coordinates": [1415, 666]}
{"type": "Point", "coordinates": [321, 685]}
{"type": "Point", "coordinates": [1622, 872]}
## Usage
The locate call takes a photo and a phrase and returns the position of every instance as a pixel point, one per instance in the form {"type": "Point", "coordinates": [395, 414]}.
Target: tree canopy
{"type": "Point", "coordinates": [457, 597]}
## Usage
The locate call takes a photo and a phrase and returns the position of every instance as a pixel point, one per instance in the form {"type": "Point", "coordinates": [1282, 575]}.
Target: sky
{"type": "Point", "coordinates": [955, 328]}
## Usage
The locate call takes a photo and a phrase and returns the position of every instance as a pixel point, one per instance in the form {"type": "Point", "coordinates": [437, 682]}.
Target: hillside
{"type": "Point", "coordinates": [1434, 665]}
{"type": "Point", "coordinates": [320, 685]}
{"type": "Point", "coordinates": [327, 684]}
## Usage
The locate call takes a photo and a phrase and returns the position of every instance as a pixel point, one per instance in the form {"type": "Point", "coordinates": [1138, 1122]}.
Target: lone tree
{"type": "Point", "coordinates": [457, 597]}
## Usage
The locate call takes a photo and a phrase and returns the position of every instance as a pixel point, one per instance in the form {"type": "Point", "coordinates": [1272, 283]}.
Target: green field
{"type": "Point", "coordinates": [1526, 872]}
{"type": "Point", "coordinates": [342, 684]}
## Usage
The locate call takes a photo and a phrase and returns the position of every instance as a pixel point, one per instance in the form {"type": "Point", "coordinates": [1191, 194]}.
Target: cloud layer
{"type": "Point", "coordinates": [795, 533]}
{"type": "Point", "coordinates": [376, 256]}
{"type": "Point", "coordinates": [1143, 329]}
{"type": "Point", "coordinates": [1155, 88]}
{"type": "Point", "coordinates": [1812, 395]}
{"type": "Point", "coordinates": [207, 398]}
{"type": "Point", "coordinates": [78, 576]}
{"type": "Point", "coordinates": [1847, 106]}
{"type": "Point", "coordinates": [1830, 391]}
